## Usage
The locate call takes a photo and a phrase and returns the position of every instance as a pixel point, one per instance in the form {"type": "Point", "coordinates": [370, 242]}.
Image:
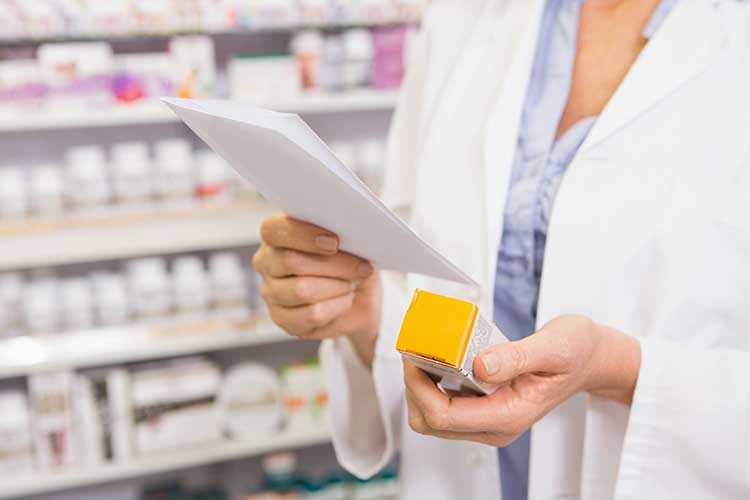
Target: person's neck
{"type": "Point", "coordinates": [623, 7]}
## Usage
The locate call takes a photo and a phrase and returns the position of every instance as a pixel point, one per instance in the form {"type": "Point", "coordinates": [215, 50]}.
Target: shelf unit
{"type": "Point", "coordinates": [155, 112]}
{"type": "Point", "coordinates": [229, 31]}
{"type": "Point", "coordinates": [166, 462]}
{"type": "Point", "coordinates": [23, 356]}
{"type": "Point", "coordinates": [39, 243]}
{"type": "Point", "coordinates": [206, 226]}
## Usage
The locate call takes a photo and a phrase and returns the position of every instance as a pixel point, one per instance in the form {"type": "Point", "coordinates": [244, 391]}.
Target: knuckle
{"type": "Point", "coordinates": [274, 315]}
{"type": "Point", "coordinates": [301, 290]}
{"type": "Point", "coordinates": [564, 352]}
{"type": "Point", "coordinates": [514, 427]}
{"type": "Point", "coordinates": [517, 358]}
{"type": "Point", "coordinates": [352, 268]}
{"type": "Point", "coordinates": [258, 259]}
{"type": "Point", "coordinates": [437, 420]}
{"type": "Point", "coordinates": [290, 260]}
{"type": "Point", "coordinates": [317, 314]}
{"type": "Point", "coordinates": [268, 228]}
{"type": "Point", "coordinates": [264, 291]}
{"type": "Point", "coordinates": [417, 424]}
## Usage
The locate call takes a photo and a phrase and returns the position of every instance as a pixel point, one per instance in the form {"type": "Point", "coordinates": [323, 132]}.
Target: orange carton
{"type": "Point", "coordinates": [442, 335]}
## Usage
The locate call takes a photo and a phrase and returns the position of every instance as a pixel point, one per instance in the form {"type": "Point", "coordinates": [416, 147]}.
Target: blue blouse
{"type": "Point", "coordinates": [539, 165]}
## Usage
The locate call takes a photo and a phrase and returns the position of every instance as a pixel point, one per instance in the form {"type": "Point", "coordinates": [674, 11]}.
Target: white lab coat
{"type": "Point", "coordinates": [650, 234]}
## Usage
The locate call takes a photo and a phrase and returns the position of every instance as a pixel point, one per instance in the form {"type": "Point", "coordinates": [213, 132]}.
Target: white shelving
{"type": "Point", "coordinates": [117, 236]}
{"type": "Point", "coordinates": [166, 462]}
{"type": "Point", "coordinates": [157, 112]}
{"type": "Point", "coordinates": [23, 356]}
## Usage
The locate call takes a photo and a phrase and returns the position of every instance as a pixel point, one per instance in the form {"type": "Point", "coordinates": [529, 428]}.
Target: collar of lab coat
{"type": "Point", "coordinates": [675, 55]}
{"type": "Point", "coordinates": [686, 45]}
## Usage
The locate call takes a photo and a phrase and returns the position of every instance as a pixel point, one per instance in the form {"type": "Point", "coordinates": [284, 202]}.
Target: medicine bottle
{"type": "Point", "coordinates": [46, 190]}
{"type": "Point", "coordinates": [131, 174]}
{"type": "Point", "coordinates": [213, 177]}
{"type": "Point", "coordinates": [87, 184]}
{"type": "Point", "coordinates": [358, 55]}
{"type": "Point", "coordinates": [111, 299]}
{"type": "Point", "coordinates": [332, 60]}
{"type": "Point", "coordinates": [175, 174]}
{"type": "Point", "coordinates": [191, 287]}
{"type": "Point", "coordinates": [149, 289]}
{"type": "Point", "coordinates": [228, 286]}
{"type": "Point", "coordinates": [12, 287]}
{"type": "Point", "coordinates": [307, 47]}
{"type": "Point", "coordinates": [77, 304]}
{"type": "Point", "coordinates": [40, 309]}
{"type": "Point", "coordinates": [14, 199]}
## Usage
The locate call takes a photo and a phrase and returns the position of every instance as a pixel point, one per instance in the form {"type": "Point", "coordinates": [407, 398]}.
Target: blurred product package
{"type": "Point", "coordinates": [174, 404]}
{"type": "Point", "coordinates": [76, 73]}
{"type": "Point", "coordinates": [142, 76]}
{"type": "Point", "coordinates": [194, 65]}
{"type": "Point", "coordinates": [305, 396]}
{"type": "Point", "coordinates": [52, 419]}
{"type": "Point", "coordinates": [264, 77]}
{"type": "Point", "coordinates": [15, 434]}
{"type": "Point", "coordinates": [250, 402]}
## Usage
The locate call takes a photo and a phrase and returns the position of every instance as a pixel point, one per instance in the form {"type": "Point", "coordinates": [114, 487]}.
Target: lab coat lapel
{"type": "Point", "coordinates": [502, 134]}
{"type": "Point", "coordinates": [684, 47]}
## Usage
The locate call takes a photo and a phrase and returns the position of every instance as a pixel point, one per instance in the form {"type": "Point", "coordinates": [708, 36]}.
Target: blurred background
{"type": "Point", "coordinates": [136, 359]}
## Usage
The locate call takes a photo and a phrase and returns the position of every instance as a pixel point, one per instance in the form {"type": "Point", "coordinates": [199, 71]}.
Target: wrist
{"type": "Point", "coordinates": [364, 345]}
{"type": "Point", "coordinates": [617, 362]}
{"type": "Point", "coordinates": [364, 337]}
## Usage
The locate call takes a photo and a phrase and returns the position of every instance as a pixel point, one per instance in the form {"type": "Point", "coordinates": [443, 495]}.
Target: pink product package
{"type": "Point", "coordinates": [388, 61]}
{"type": "Point", "coordinates": [20, 83]}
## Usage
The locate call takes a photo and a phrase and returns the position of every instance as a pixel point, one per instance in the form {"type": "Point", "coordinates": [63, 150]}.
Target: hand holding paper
{"type": "Point", "coordinates": [294, 169]}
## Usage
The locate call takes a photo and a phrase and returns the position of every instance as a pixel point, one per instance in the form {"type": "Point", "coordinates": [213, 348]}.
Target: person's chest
{"type": "Point", "coordinates": [608, 42]}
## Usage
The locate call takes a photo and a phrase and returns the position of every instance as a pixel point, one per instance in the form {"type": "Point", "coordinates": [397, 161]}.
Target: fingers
{"type": "Point", "coordinates": [300, 291]}
{"type": "Point", "coordinates": [284, 232]}
{"type": "Point", "coordinates": [504, 362]}
{"type": "Point", "coordinates": [432, 413]}
{"type": "Point", "coordinates": [280, 262]}
{"type": "Point", "coordinates": [304, 321]}
{"type": "Point", "coordinates": [461, 414]}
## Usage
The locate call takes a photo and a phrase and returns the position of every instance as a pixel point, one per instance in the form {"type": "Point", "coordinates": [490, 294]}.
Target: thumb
{"type": "Point", "coordinates": [502, 363]}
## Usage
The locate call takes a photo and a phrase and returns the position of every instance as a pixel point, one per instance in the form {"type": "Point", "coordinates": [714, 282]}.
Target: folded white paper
{"type": "Point", "coordinates": [294, 169]}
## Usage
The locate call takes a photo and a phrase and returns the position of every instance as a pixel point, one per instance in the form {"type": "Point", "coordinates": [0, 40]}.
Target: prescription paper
{"type": "Point", "coordinates": [295, 170]}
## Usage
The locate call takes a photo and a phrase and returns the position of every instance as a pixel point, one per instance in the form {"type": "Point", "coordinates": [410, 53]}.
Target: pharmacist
{"type": "Point", "coordinates": [598, 187]}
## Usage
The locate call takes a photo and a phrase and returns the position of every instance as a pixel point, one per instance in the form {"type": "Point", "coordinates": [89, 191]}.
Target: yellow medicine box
{"type": "Point", "coordinates": [442, 335]}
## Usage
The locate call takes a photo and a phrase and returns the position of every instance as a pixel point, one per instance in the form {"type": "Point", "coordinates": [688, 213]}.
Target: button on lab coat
{"type": "Point", "coordinates": [649, 233]}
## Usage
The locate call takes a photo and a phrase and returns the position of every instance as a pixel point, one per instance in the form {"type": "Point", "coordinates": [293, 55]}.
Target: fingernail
{"type": "Point", "coordinates": [327, 243]}
{"type": "Point", "coordinates": [491, 363]}
{"type": "Point", "coordinates": [364, 269]}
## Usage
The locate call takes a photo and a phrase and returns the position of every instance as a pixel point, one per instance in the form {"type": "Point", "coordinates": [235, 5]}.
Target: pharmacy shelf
{"type": "Point", "coordinates": [116, 235]}
{"type": "Point", "coordinates": [25, 39]}
{"type": "Point", "coordinates": [155, 112]}
{"type": "Point", "coordinates": [157, 464]}
{"type": "Point", "coordinates": [27, 355]}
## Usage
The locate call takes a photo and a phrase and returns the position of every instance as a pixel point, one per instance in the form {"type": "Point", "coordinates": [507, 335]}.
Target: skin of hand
{"type": "Point", "coordinates": [568, 355]}
{"type": "Point", "coordinates": [315, 291]}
